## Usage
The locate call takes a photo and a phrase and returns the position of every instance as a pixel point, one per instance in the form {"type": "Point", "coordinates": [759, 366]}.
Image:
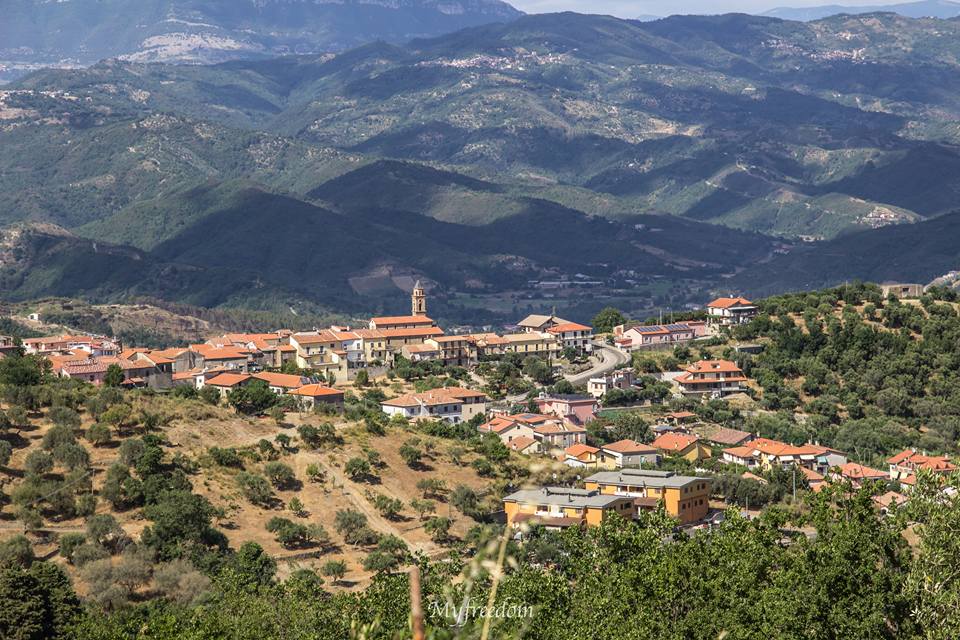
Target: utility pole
{"type": "Point", "coordinates": [794, 483]}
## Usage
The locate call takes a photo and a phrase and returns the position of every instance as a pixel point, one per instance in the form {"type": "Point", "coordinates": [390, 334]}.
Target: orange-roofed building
{"type": "Point", "coordinates": [908, 462]}
{"type": "Point", "coordinates": [453, 404]}
{"type": "Point", "coordinates": [321, 351]}
{"type": "Point", "coordinates": [745, 456]}
{"type": "Point", "coordinates": [507, 428]}
{"type": "Point", "coordinates": [572, 335]}
{"type": "Point", "coordinates": [815, 480]}
{"type": "Point", "coordinates": [401, 322]}
{"type": "Point", "coordinates": [859, 474]}
{"type": "Point", "coordinates": [227, 382]}
{"type": "Point", "coordinates": [714, 377]}
{"type": "Point", "coordinates": [312, 395]}
{"type": "Point", "coordinates": [889, 501]}
{"type": "Point", "coordinates": [559, 434]}
{"type": "Point", "coordinates": [581, 455]}
{"type": "Point", "coordinates": [767, 453]}
{"type": "Point", "coordinates": [281, 382]}
{"type": "Point", "coordinates": [731, 311]}
{"type": "Point", "coordinates": [525, 445]}
{"type": "Point", "coordinates": [684, 445]}
{"type": "Point", "coordinates": [210, 357]}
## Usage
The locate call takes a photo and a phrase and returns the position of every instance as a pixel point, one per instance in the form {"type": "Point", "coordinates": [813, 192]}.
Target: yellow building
{"type": "Point", "coordinates": [458, 351]}
{"type": "Point", "coordinates": [320, 351]}
{"type": "Point", "coordinates": [686, 446]}
{"type": "Point", "coordinates": [686, 498]}
{"type": "Point", "coordinates": [560, 507]}
{"type": "Point", "coordinates": [533, 343]}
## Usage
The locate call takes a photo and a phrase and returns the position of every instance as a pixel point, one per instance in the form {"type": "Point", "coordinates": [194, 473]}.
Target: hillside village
{"type": "Point", "coordinates": [559, 424]}
{"type": "Point", "coordinates": [348, 452]}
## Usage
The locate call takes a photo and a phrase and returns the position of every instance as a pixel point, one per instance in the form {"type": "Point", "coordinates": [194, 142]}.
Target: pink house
{"type": "Point", "coordinates": [577, 409]}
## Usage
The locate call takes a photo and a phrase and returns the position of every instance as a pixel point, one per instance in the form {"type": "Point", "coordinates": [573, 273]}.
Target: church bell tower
{"type": "Point", "coordinates": [418, 300]}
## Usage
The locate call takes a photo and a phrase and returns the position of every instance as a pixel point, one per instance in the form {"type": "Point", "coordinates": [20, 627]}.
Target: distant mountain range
{"type": "Point", "coordinates": [679, 154]}
{"type": "Point", "coordinates": [35, 33]}
{"type": "Point", "coordinates": [923, 9]}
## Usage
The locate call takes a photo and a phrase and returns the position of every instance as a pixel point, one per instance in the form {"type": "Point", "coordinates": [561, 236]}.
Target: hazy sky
{"type": "Point", "coordinates": [633, 8]}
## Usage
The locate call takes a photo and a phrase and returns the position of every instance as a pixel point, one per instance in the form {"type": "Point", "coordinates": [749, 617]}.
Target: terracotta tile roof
{"type": "Point", "coordinates": [856, 471]}
{"type": "Point", "coordinates": [497, 425]}
{"type": "Point", "coordinates": [889, 498]}
{"type": "Point", "coordinates": [316, 391]}
{"type": "Point", "coordinates": [520, 443]}
{"type": "Point", "coordinates": [913, 460]}
{"type": "Point", "coordinates": [228, 379]}
{"type": "Point", "coordinates": [421, 348]}
{"type": "Point", "coordinates": [714, 366]}
{"type": "Point", "coordinates": [726, 303]}
{"type": "Point", "coordinates": [811, 475]}
{"type": "Point", "coordinates": [906, 454]}
{"type": "Point", "coordinates": [627, 447]}
{"type": "Point", "coordinates": [446, 395]}
{"type": "Point", "coordinates": [314, 338]}
{"type": "Point", "coordinates": [579, 449]}
{"type": "Point", "coordinates": [569, 326]}
{"type": "Point", "coordinates": [553, 428]}
{"type": "Point", "coordinates": [172, 353]}
{"type": "Point", "coordinates": [740, 452]}
{"type": "Point", "coordinates": [85, 367]}
{"type": "Point", "coordinates": [778, 449]}
{"type": "Point", "coordinates": [674, 441]}
{"type": "Point", "coordinates": [532, 418]}
{"type": "Point", "coordinates": [394, 320]}
{"type": "Point", "coordinates": [280, 379]}
{"type": "Point", "coordinates": [225, 353]}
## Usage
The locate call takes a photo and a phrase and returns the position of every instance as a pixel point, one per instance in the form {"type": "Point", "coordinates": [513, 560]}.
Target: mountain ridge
{"type": "Point", "coordinates": [921, 9]}
{"type": "Point", "coordinates": [80, 32]}
{"type": "Point", "coordinates": [578, 128]}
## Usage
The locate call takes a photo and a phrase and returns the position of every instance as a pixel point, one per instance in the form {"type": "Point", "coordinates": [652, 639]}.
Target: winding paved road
{"type": "Point", "coordinates": [607, 359]}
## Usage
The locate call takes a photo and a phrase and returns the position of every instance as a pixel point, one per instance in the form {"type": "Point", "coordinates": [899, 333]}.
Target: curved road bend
{"type": "Point", "coordinates": [608, 359]}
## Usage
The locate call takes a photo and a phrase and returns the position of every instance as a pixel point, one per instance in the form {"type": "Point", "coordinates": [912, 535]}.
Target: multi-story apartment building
{"type": "Point", "coordinates": [686, 498]}
{"type": "Point", "coordinates": [731, 311]}
{"type": "Point", "coordinates": [713, 377]}
{"type": "Point", "coordinates": [571, 335]}
{"type": "Point", "coordinates": [320, 351]}
{"type": "Point", "coordinates": [532, 343]}
{"type": "Point", "coordinates": [460, 351]}
{"type": "Point", "coordinates": [561, 507]}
